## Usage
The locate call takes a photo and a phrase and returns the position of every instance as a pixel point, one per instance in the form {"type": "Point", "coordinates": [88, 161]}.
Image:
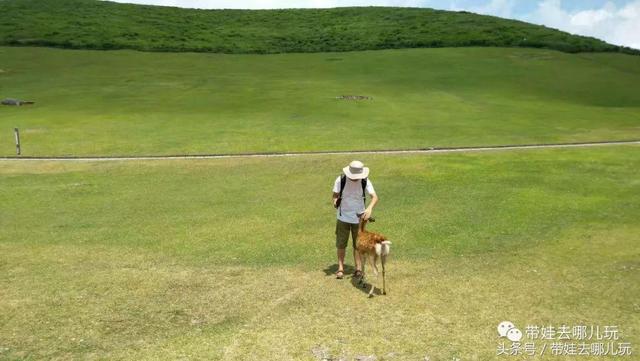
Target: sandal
{"type": "Point", "coordinates": [357, 273]}
{"type": "Point", "coordinates": [339, 275]}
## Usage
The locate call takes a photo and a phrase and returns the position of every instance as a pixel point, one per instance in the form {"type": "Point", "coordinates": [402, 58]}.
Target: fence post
{"type": "Point", "coordinates": [17, 133]}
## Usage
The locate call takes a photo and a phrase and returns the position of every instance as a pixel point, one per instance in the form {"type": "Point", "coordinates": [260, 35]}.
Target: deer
{"type": "Point", "coordinates": [370, 246]}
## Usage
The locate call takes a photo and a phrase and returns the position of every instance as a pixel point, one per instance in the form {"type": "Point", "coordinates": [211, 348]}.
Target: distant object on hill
{"type": "Point", "coordinates": [92, 24]}
{"type": "Point", "coordinates": [11, 101]}
{"type": "Point", "coordinates": [354, 97]}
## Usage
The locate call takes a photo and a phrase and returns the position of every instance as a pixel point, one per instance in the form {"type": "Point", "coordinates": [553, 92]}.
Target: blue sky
{"type": "Point", "coordinates": [615, 21]}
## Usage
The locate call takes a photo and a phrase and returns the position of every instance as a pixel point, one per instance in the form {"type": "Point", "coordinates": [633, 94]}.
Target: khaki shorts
{"type": "Point", "coordinates": [342, 234]}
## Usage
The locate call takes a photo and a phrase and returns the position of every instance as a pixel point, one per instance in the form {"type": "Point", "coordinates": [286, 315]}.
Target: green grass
{"type": "Point", "coordinates": [90, 24]}
{"type": "Point", "coordinates": [232, 259]}
{"type": "Point", "coordinates": [127, 102]}
{"type": "Point", "coordinates": [228, 259]}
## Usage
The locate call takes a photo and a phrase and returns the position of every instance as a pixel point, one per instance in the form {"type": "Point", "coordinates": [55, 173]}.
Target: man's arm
{"type": "Point", "coordinates": [372, 203]}
{"type": "Point", "coordinates": [335, 198]}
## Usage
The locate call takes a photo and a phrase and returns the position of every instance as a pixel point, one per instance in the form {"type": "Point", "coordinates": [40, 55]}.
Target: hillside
{"type": "Point", "coordinates": [90, 24]}
{"type": "Point", "coordinates": [130, 102]}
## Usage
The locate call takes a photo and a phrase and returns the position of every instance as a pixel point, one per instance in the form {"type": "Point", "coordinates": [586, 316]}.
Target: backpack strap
{"type": "Point", "coordinates": [364, 186]}
{"type": "Point", "coordinates": [343, 182]}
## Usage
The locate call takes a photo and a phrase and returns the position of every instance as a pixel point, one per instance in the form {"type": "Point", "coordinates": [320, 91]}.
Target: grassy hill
{"type": "Point", "coordinates": [130, 102]}
{"type": "Point", "coordinates": [88, 24]}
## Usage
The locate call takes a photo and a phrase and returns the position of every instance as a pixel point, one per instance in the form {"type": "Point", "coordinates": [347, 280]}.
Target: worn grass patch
{"type": "Point", "coordinates": [64, 302]}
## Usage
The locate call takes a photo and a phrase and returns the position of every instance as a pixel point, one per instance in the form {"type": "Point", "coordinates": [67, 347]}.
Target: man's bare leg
{"type": "Point", "coordinates": [356, 255]}
{"type": "Point", "coordinates": [341, 253]}
{"type": "Point", "coordinates": [357, 260]}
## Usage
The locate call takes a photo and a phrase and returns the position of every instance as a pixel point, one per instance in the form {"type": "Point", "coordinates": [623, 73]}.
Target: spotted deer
{"type": "Point", "coordinates": [370, 246]}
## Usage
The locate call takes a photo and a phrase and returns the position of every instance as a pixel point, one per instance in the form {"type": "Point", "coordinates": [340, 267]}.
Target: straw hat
{"type": "Point", "coordinates": [356, 170]}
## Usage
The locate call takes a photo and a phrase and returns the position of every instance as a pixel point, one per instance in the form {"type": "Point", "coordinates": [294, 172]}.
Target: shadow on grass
{"type": "Point", "coordinates": [363, 287]}
{"type": "Point", "coordinates": [331, 270]}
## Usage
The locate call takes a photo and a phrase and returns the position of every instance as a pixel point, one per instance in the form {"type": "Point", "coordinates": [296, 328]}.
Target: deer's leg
{"type": "Point", "coordinates": [372, 261]}
{"type": "Point", "coordinates": [383, 259]}
{"type": "Point", "coordinates": [361, 280]}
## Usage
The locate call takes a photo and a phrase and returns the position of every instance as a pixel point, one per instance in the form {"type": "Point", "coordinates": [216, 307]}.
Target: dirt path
{"type": "Point", "coordinates": [294, 154]}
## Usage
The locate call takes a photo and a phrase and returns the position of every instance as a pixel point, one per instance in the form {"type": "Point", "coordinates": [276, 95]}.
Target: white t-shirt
{"type": "Point", "coordinates": [352, 203]}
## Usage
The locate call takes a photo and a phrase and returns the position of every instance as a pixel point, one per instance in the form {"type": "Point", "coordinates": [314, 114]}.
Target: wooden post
{"type": "Point", "coordinates": [17, 133]}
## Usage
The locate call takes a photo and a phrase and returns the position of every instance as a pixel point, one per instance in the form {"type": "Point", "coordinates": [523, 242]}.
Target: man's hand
{"type": "Point", "coordinates": [367, 213]}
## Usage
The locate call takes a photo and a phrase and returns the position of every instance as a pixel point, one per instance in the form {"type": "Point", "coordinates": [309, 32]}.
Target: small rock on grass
{"type": "Point", "coordinates": [321, 353]}
{"type": "Point", "coordinates": [366, 358]}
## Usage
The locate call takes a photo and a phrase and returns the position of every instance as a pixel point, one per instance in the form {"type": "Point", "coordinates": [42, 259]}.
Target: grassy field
{"type": "Point", "coordinates": [127, 102]}
{"type": "Point", "coordinates": [232, 259]}
{"type": "Point", "coordinates": [91, 24]}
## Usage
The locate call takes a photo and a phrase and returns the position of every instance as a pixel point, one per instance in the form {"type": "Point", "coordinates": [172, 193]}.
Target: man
{"type": "Point", "coordinates": [350, 206]}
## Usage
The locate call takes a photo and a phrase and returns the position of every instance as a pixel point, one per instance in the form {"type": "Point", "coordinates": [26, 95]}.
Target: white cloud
{"type": "Point", "coordinates": [501, 8]}
{"type": "Point", "coordinates": [614, 24]}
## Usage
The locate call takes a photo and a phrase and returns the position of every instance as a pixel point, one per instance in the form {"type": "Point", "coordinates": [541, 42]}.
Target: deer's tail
{"type": "Point", "coordinates": [383, 248]}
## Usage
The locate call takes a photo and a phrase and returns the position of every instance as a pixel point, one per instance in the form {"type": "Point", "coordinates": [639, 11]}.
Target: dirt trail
{"type": "Point", "coordinates": [295, 154]}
